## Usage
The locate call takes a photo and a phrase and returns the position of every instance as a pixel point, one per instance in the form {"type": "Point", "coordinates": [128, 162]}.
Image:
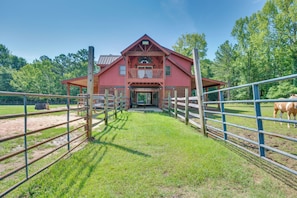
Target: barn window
{"type": "Point", "coordinates": [167, 70]}
{"type": "Point", "coordinates": [122, 70]}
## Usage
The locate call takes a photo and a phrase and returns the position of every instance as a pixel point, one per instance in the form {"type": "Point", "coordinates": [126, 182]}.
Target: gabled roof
{"type": "Point", "coordinates": [105, 60]}
{"type": "Point", "coordinates": [145, 37]}
{"type": "Point", "coordinates": [110, 66]}
{"type": "Point", "coordinates": [179, 55]}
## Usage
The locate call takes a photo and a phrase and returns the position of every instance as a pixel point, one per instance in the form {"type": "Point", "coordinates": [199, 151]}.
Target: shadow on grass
{"type": "Point", "coordinates": [135, 152]}
{"type": "Point", "coordinates": [286, 177]}
{"type": "Point", "coordinates": [84, 168]}
{"type": "Point", "coordinates": [118, 124]}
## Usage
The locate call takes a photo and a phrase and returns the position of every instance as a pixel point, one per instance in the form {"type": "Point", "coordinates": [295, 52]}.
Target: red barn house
{"type": "Point", "coordinates": [144, 72]}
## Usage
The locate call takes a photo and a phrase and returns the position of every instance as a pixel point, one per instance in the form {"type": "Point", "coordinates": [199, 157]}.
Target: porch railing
{"type": "Point", "coordinates": [145, 73]}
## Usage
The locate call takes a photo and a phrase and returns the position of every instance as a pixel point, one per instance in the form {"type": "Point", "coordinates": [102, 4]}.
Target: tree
{"type": "Point", "coordinates": [187, 42]}
{"type": "Point", "coordinates": [37, 77]}
{"type": "Point", "coordinates": [4, 56]}
{"type": "Point", "coordinates": [5, 77]}
{"type": "Point", "coordinates": [224, 66]}
{"type": "Point", "coordinates": [282, 90]}
{"type": "Point", "coordinates": [283, 25]}
{"type": "Point", "coordinates": [9, 60]}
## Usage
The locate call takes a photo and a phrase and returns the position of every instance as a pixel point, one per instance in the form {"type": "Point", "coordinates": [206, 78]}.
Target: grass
{"type": "Point", "coordinates": [152, 155]}
{"type": "Point", "coordinates": [17, 109]}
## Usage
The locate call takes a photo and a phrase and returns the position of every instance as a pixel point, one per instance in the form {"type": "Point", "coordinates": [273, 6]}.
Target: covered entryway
{"type": "Point", "coordinates": [144, 96]}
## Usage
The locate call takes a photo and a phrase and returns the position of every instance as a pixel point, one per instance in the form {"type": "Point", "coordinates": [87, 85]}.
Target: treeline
{"type": "Point", "coordinates": [265, 48]}
{"type": "Point", "coordinates": [43, 76]}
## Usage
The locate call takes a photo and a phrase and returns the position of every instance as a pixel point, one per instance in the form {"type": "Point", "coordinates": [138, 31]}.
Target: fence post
{"type": "Point", "coordinates": [175, 103]}
{"type": "Point", "coordinates": [90, 89]}
{"type": "Point", "coordinates": [121, 102]}
{"type": "Point", "coordinates": [187, 106]}
{"type": "Point", "coordinates": [25, 136]}
{"type": "Point", "coordinates": [199, 89]}
{"type": "Point", "coordinates": [68, 127]}
{"type": "Point", "coordinates": [222, 107]}
{"type": "Point", "coordinates": [259, 120]}
{"type": "Point", "coordinates": [106, 106]}
{"type": "Point", "coordinates": [169, 102]}
{"type": "Point", "coordinates": [115, 102]}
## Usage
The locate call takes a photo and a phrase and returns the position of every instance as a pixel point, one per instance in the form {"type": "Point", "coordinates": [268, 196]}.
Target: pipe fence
{"type": "Point", "coordinates": [246, 123]}
{"type": "Point", "coordinates": [32, 140]}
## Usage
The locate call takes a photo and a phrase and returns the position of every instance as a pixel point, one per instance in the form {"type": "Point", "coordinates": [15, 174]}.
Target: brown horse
{"type": "Point", "coordinates": [289, 107]}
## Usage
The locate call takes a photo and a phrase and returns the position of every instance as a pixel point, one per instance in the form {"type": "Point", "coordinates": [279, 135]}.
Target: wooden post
{"type": "Point", "coordinates": [115, 102]}
{"type": "Point", "coordinates": [68, 93]}
{"type": "Point", "coordinates": [175, 103]}
{"type": "Point", "coordinates": [169, 102]}
{"type": "Point", "coordinates": [90, 89]}
{"type": "Point", "coordinates": [121, 102]}
{"type": "Point", "coordinates": [187, 106]}
{"type": "Point", "coordinates": [199, 89]}
{"type": "Point", "coordinates": [106, 106]}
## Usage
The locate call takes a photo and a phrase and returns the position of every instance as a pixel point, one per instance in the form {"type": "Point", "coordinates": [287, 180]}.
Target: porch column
{"type": "Point", "coordinates": [127, 90]}
{"type": "Point", "coordinates": [206, 96]}
{"type": "Point", "coordinates": [68, 89]}
{"type": "Point", "coordinates": [164, 76]}
{"type": "Point", "coordinates": [219, 107]}
{"type": "Point", "coordinates": [68, 92]}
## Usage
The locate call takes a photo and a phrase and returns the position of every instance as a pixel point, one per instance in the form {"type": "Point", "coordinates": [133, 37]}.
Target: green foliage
{"type": "Point", "coordinates": [224, 66]}
{"type": "Point", "coordinates": [265, 49]}
{"type": "Point", "coordinates": [35, 78]}
{"type": "Point", "coordinates": [5, 77]}
{"type": "Point", "coordinates": [187, 42]}
{"type": "Point", "coordinates": [283, 90]}
{"type": "Point", "coordinates": [10, 61]}
{"type": "Point", "coordinates": [44, 75]}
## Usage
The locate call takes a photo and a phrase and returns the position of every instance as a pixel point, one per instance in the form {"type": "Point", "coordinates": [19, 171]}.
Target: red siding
{"type": "Point", "coordinates": [177, 77]}
{"type": "Point", "coordinates": [182, 62]}
{"type": "Point", "coordinates": [112, 76]}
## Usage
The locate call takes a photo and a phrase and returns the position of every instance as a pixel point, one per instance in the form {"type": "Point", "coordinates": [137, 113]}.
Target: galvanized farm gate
{"type": "Point", "coordinates": [252, 131]}
{"type": "Point", "coordinates": [32, 147]}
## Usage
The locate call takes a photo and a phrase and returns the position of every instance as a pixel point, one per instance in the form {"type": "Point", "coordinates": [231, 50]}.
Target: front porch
{"type": "Point", "coordinates": [144, 96]}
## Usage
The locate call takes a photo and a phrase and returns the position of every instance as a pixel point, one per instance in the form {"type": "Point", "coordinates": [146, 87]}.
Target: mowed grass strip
{"type": "Point", "coordinates": [19, 109]}
{"type": "Point", "coordinates": [152, 155]}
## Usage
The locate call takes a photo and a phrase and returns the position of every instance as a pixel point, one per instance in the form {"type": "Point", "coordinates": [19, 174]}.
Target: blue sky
{"type": "Point", "coordinates": [32, 28]}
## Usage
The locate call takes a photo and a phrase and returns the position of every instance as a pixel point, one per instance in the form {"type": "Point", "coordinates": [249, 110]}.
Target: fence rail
{"type": "Point", "coordinates": [27, 150]}
{"type": "Point", "coordinates": [251, 131]}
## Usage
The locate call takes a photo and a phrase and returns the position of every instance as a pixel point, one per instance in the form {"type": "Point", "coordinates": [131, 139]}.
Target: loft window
{"type": "Point", "coordinates": [122, 70]}
{"type": "Point", "coordinates": [167, 70]}
{"type": "Point", "coordinates": [145, 42]}
{"type": "Point", "coordinates": [144, 59]}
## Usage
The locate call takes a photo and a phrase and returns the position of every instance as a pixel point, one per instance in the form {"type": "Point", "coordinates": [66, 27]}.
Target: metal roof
{"type": "Point", "coordinates": [107, 59]}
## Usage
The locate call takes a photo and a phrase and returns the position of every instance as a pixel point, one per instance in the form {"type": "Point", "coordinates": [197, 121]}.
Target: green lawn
{"type": "Point", "coordinates": [152, 155]}
{"type": "Point", "coordinates": [17, 109]}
